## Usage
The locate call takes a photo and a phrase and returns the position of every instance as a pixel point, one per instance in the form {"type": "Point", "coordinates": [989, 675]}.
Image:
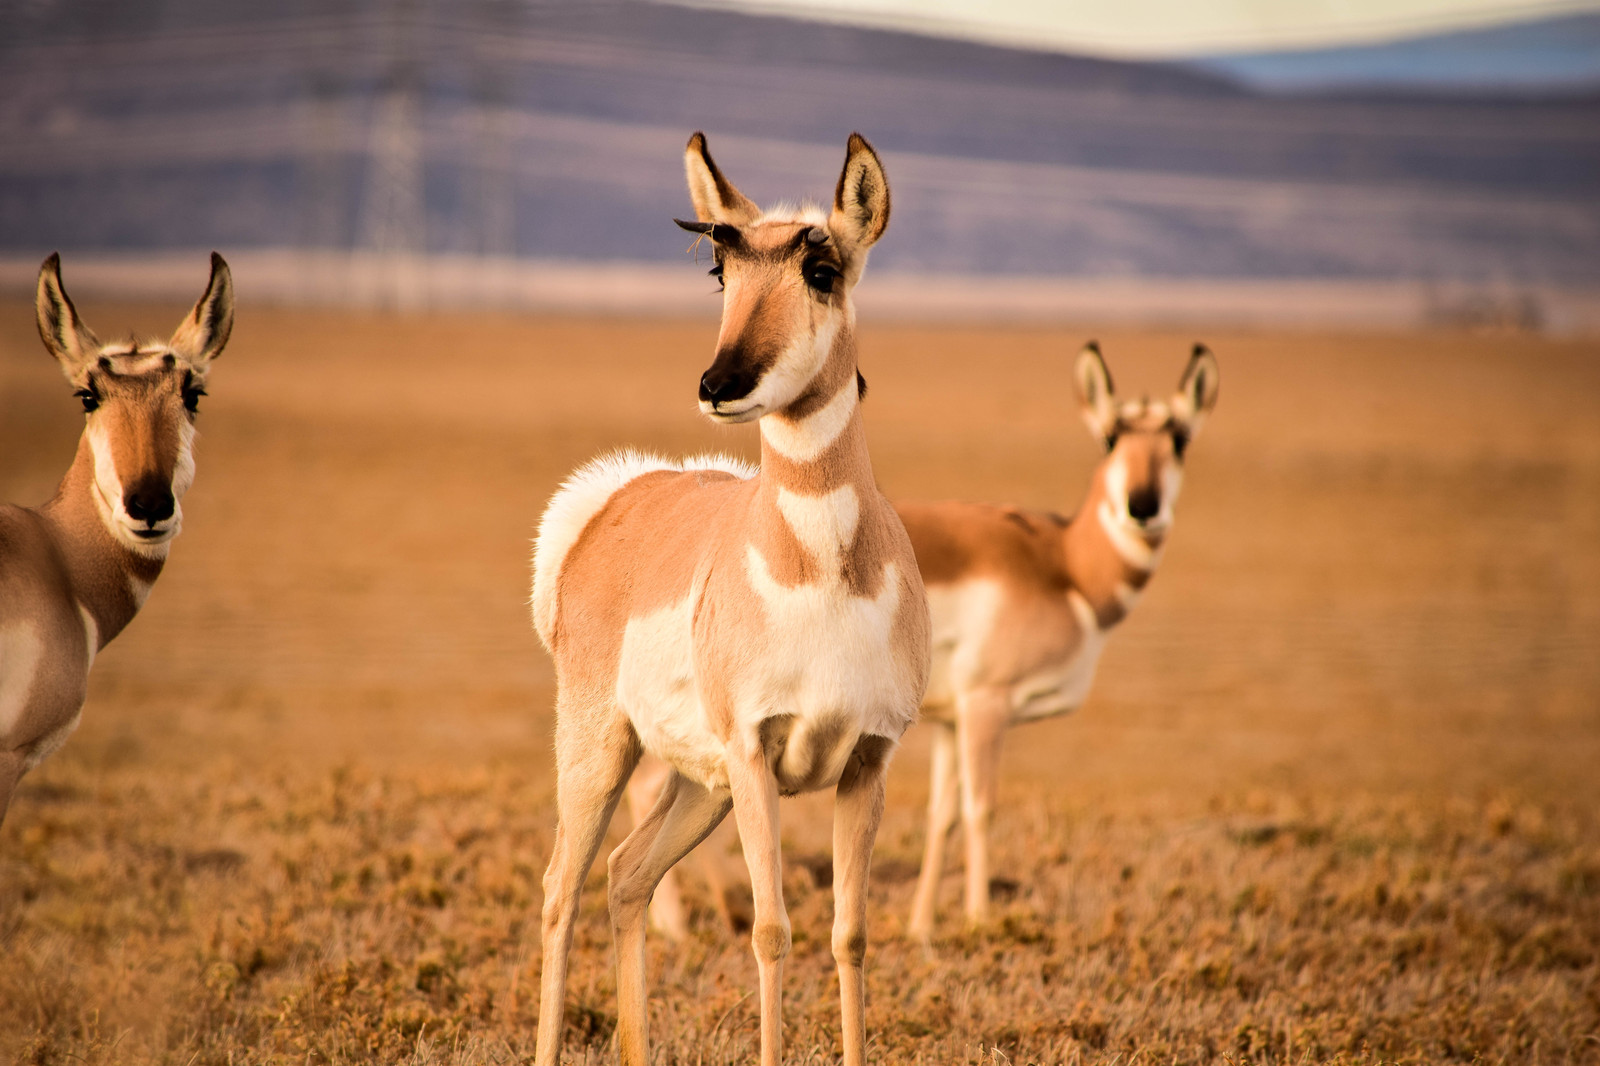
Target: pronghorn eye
{"type": "Point", "coordinates": [191, 398]}
{"type": "Point", "coordinates": [90, 398]}
{"type": "Point", "coordinates": [820, 276]}
{"type": "Point", "coordinates": [1180, 441]}
{"type": "Point", "coordinates": [716, 272]}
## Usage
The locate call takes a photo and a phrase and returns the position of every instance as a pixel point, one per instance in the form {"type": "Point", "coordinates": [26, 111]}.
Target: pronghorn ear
{"type": "Point", "coordinates": [714, 196]}
{"type": "Point", "coordinates": [1095, 392]}
{"type": "Point", "coordinates": [63, 332]}
{"type": "Point", "coordinates": [861, 199]}
{"type": "Point", "coordinates": [203, 333]}
{"type": "Point", "coordinates": [1197, 391]}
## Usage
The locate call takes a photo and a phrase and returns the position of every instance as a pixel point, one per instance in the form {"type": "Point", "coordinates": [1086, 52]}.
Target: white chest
{"type": "Point", "coordinates": [827, 653]}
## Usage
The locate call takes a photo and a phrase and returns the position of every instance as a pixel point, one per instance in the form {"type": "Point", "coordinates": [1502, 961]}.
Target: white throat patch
{"type": "Point", "coordinates": [802, 441]}
{"type": "Point", "coordinates": [824, 525]}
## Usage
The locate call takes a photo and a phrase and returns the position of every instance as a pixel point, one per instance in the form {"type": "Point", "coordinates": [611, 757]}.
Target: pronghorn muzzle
{"type": "Point", "coordinates": [151, 502]}
{"type": "Point", "coordinates": [1144, 503]}
{"type": "Point", "coordinates": [731, 377]}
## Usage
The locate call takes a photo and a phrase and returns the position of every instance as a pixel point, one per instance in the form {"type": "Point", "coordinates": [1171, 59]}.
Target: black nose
{"type": "Point", "coordinates": [725, 381]}
{"type": "Point", "coordinates": [1143, 504]}
{"type": "Point", "coordinates": [149, 504]}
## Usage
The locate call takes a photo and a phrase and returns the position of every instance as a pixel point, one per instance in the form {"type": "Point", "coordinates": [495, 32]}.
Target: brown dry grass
{"type": "Point", "coordinates": [1333, 800]}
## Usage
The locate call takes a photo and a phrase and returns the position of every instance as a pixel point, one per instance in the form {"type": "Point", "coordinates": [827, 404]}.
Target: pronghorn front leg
{"type": "Point", "coordinates": [858, 808]}
{"type": "Point", "coordinates": [685, 814]}
{"type": "Point", "coordinates": [981, 719]}
{"type": "Point", "coordinates": [944, 806]}
{"type": "Point", "coordinates": [755, 809]}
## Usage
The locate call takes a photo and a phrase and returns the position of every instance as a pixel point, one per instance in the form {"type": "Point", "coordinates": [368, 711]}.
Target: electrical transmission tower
{"type": "Point", "coordinates": [392, 214]}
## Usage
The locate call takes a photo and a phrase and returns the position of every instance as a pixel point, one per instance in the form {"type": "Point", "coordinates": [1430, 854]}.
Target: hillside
{"type": "Point", "coordinates": [552, 131]}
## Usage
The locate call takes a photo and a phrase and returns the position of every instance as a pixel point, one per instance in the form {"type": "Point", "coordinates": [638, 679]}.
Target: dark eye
{"type": "Point", "coordinates": [191, 398]}
{"type": "Point", "coordinates": [1111, 439]}
{"type": "Point", "coordinates": [716, 272]}
{"type": "Point", "coordinates": [1180, 441]}
{"type": "Point", "coordinates": [90, 398]}
{"type": "Point", "coordinates": [820, 276]}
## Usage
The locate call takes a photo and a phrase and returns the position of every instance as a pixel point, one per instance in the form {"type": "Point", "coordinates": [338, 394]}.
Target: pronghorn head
{"type": "Point", "coordinates": [1145, 439]}
{"type": "Point", "coordinates": [786, 275]}
{"type": "Point", "coordinates": [139, 400]}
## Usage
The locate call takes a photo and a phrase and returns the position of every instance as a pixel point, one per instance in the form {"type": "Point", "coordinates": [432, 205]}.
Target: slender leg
{"type": "Point", "coordinates": [683, 816]}
{"type": "Point", "coordinates": [982, 717]}
{"type": "Point", "coordinates": [711, 868]}
{"type": "Point", "coordinates": [755, 808]}
{"type": "Point", "coordinates": [858, 807]}
{"type": "Point", "coordinates": [668, 915]}
{"type": "Point", "coordinates": [944, 806]}
{"type": "Point", "coordinates": [10, 774]}
{"type": "Point", "coordinates": [592, 768]}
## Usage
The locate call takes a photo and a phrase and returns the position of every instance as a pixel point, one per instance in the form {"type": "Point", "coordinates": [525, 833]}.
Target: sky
{"type": "Point", "coordinates": [1166, 28]}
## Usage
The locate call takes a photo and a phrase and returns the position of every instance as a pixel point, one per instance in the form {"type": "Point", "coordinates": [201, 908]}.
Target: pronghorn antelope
{"type": "Point", "coordinates": [75, 571]}
{"type": "Point", "coordinates": [762, 630]}
{"type": "Point", "coordinates": [1022, 602]}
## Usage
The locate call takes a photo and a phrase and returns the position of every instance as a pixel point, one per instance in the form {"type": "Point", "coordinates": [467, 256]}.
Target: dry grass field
{"type": "Point", "coordinates": [1336, 797]}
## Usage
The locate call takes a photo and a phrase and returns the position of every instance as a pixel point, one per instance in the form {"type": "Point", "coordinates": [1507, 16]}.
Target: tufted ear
{"type": "Point", "coordinates": [1197, 390]}
{"type": "Point", "coordinates": [72, 343]}
{"type": "Point", "coordinates": [201, 336]}
{"type": "Point", "coordinates": [861, 199]}
{"type": "Point", "coordinates": [714, 196]}
{"type": "Point", "coordinates": [1096, 395]}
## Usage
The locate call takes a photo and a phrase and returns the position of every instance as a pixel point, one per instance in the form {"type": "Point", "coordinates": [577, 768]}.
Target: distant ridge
{"type": "Point", "coordinates": [1546, 57]}
{"type": "Point", "coordinates": [552, 133]}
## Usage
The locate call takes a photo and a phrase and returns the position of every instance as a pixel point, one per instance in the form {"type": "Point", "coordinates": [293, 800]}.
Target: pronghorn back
{"type": "Point", "coordinates": [582, 496]}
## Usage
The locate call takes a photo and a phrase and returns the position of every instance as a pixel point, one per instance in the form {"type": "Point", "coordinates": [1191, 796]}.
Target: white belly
{"type": "Point", "coordinates": [657, 691]}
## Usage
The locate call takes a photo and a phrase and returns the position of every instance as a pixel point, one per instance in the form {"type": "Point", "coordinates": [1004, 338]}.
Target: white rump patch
{"type": "Point", "coordinates": [581, 497]}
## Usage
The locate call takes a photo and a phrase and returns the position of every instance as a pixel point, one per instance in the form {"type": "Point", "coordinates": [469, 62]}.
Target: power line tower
{"type": "Point", "coordinates": [393, 214]}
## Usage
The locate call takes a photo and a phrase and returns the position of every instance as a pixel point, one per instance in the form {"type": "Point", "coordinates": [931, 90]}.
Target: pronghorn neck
{"type": "Point", "coordinates": [1107, 559]}
{"type": "Point", "coordinates": [108, 580]}
{"type": "Point", "coordinates": [816, 476]}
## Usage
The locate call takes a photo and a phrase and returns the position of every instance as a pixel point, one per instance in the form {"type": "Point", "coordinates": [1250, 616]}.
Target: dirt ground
{"type": "Point", "coordinates": [1334, 798]}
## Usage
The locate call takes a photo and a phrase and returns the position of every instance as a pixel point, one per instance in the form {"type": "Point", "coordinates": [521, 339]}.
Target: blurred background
{"type": "Point", "coordinates": [1398, 162]}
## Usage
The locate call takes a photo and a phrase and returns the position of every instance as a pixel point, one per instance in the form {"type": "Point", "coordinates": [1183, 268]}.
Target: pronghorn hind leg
{"type": "Point", "coordinates": [982, 717]}
{"type": "Point", "coordinates": [944, 808]}
{"type": "Point", "coordinates": [755, 808]}
{"type": "Point", "coordinates": [858, 808]}
{"type": "Point", "coordinates": [685, 813]}
{"type": "Point", "coordinates": [669, 916]}
{"type": "Point", "coordinates": [591, 773]}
